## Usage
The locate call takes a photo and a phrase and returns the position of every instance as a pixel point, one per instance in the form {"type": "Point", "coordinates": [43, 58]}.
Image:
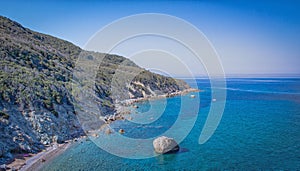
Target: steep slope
{"type": "Point", "coordinates": [36, 80]}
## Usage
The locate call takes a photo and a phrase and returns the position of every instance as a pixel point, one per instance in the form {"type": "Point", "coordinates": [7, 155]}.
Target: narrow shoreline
{"type": "Point", "coordinates": [177, 93]}
{"type": "Point", "coordinates": [122, 107]}
{"type": "Point", "coordinates": [36, 161]}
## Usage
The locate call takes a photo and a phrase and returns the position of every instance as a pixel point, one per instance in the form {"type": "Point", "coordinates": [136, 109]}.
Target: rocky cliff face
{"type": "Point", "coordinates": [36, 80]}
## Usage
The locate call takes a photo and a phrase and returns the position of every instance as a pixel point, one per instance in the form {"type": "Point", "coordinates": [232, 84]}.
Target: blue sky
{"type": "Point", "coordinates": [251, 37]}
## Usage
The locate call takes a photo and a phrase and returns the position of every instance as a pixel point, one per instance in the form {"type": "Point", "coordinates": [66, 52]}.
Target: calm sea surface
{"type": "Point", "coordinates": [259, 130]}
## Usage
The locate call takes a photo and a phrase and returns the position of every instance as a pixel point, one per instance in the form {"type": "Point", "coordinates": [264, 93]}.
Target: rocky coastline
{"type": "Point", "coordinates": [39, 106]}
{"type": "Point", "coordinates": [34, 161]}
{"type": "Point", "coordinates": [122, 107]}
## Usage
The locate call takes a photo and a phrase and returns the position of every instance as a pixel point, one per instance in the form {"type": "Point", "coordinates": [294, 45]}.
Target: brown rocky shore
{"type": "Point", "coordinates": [36, 161]}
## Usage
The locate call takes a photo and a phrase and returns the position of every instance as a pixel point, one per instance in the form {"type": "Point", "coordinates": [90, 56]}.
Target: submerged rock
{"type": "Point", "coordinates": [164, 145]}
{"type": "Point", "coordinates": [121, 131]}
{"type": "Point", "coordinates": [108, 131]}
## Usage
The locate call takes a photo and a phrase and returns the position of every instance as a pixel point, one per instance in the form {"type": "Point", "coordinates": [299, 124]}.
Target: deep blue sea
{"type": "Point", "coordinates": [259, 130]}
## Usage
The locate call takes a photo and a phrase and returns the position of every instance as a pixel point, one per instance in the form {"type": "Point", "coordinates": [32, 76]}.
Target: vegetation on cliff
{"type": "Point", "coordinates": [36, 81]}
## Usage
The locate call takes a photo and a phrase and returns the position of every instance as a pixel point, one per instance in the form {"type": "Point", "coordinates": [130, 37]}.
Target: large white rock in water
{"type": "Point", "coordinates": [165, 145]}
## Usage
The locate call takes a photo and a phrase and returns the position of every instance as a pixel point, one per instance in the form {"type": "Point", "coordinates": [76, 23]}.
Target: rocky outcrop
{"type": "Point", "coordinates": [31, 131]}
{"type": "Point", "coordinates": [164, 145]}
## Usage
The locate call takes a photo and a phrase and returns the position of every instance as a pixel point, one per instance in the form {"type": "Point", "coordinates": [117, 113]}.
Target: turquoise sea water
{"type": "Point", "coordinates": [259, 130]}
